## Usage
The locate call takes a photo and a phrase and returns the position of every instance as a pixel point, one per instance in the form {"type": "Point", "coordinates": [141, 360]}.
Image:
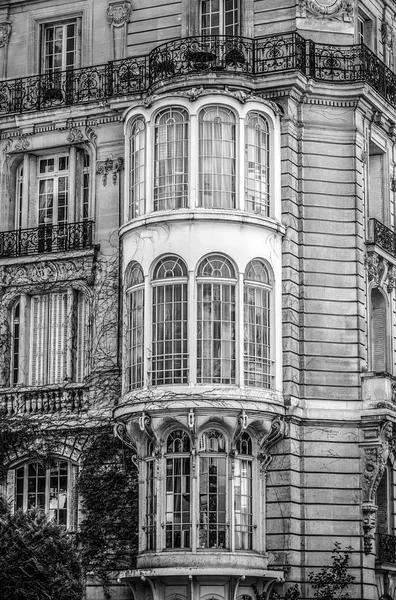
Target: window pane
{"type": "Point", "coordinates": [256, 165]}
{"type": "Point", "coordinates": [137, 169]}
{"type": "Point", "coordinates": [151, 506]}
{"type": "Point", "coordinates": [243, 504]}
{"type": "Point", "coordinates": [212, 502]}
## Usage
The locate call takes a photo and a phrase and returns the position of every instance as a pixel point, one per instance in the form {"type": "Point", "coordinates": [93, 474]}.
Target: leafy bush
{"type": "Point", "coordinates": [332, 582]}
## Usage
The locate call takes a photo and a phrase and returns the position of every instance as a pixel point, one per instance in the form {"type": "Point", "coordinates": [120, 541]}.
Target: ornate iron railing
{"type": "Point", "coordinates": [46, 239]}
{"type": "Point", "coordinates": [200, 54]}
{"type": "Point", "coordinates": [74, 398]}
{"type": "Point", "coordinates": [383, 237]}
{"type": "Point", "coordinates": [386, 548]}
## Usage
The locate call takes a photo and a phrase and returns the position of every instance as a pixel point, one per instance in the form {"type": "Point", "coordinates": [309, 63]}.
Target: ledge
{"type": "Point", "coordinates": [204, 571]}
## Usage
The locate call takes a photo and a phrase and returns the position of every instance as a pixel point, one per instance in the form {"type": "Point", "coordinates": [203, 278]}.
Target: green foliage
{"type": "Point", "coordinates": [332, 582]}
{"type": "Point", "coordinates": [38, 559]}
{"type": "Point", "coordinates": [108, 486]}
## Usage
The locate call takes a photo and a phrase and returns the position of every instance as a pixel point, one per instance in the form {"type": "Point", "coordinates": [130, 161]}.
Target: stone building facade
{"type": "Point", "coordinates": [197, 206]}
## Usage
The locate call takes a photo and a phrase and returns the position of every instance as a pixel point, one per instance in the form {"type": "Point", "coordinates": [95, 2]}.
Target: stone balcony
{"type": "Point", "coordinates": [199, 55]}
{"type": "Point", "coordinates": [72, 398]}
{"type": "Point", "coordinates": [379, 390]}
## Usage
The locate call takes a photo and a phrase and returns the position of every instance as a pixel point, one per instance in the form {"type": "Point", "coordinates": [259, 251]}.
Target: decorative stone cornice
{"type": "Point", "coordinates": [5, 33]}
{"type": "Point", "coordinates": [278, 431]}
{"type": "Point", "coordinates": [341, 10]}
{"type": "Point", "coordinates": [114, 166]}
{"type": "Point", "coordinates": [119, 13]}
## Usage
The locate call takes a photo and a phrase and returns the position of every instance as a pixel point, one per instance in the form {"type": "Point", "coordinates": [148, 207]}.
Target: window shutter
{"type": "Point", "coordinates": [376, 196]}
{"type": "Point", "coordinates": [382, 503]}
{"type": "Point", "coordinates": [11, 489]}
{"type": "Point", "coordinates": [75, 516]}
{"type": "Point", "coordinates": [57, 338]}
{"type": "Point", "coordinates": [379, 338]}
{"type": "Point", "coordinates": [80, 346]}
{"type": "Point", "coordinates": [38, 355]}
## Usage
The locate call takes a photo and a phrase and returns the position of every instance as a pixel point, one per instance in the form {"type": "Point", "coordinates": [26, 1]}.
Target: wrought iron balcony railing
{"type": "Point", "coordinates": [73, 398]}
{"type": "Point", "coordinates": [46, 239]}
{"type": "Point", "coordinates": [201, 54]}
{"type": "Point", "coordinates": [386, 548]}
{"type": "Point", "coordinates": [382, 236]}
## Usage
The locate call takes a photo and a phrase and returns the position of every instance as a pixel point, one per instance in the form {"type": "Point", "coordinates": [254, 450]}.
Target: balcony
{"type": "Point", "coordinates": [72, 398]}
{"type": "Point", "coordinates": [46, 239]}
{"type": "Point", "coordinates": [386, 548]}
{"type": "Point", "coordinates": [382, 236]}
{"type": "Point", "coordinates": [199, 55]}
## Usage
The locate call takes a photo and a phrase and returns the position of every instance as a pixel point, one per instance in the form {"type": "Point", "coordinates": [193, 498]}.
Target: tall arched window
{"type": "Point", "coordinates": [243, 494]}
{"type": "Point", "coordinates": [135, 337]}
{"type": "Point", "coordinates": [217, 157]}
{"type": "Point", "coordinates": [171, 159]}
{"type": "Point", "coordinates": [169, 329]}
{"type": "Point", "coordinates": [257, 325]}
{"type": "Point", "coordinates": [216, 320]}
{"type": "Point", "coordinates": [378, 332]}
{"type": "Point", "coordinates": [137, 169]}
{"type": "Point", "coordinates": [178, 519]}
{"type": "Point", "coordinates": [212, 490]}
{"type": "Point", "coordinates": [256, 164]}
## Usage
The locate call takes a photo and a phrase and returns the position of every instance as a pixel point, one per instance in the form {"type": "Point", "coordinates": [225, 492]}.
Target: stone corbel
{"type": "Point", "coordinates": [277, 432]}
{"type": "Point", "coordinates": [118, 16]}
{"type": "Point", "coordinates": [146, 427]}
{"type": "Point", "coordinates": [241, 426]}
{"type": "Point", "coordinates": [377, 444]}
{"type": "Point", "coordinates": [121, 432]}
{"type": "Point", "coordinates": [104, 167]}
{"type": "Point", "coordinates": [380, 272]}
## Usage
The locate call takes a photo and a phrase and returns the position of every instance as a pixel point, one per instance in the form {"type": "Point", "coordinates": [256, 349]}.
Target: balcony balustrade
{"type": "Point", "coordinates": [382, 236]}
{"type": "Point", "coordinates": [386, 548]}
{"type": "Point", "coordinates": [201, 54]}
{"type": "Point", "coordinates": [46, 239]}
{"type": "Point", "coordinates": [73, 398]}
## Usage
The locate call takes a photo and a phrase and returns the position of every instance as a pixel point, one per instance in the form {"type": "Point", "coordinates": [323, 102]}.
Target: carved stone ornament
{"type": "Point", "coordinates": [372, 266]}
{"type": "Point", "coordinates": [47, 272]}
{"type": "Point", "coordinates": [5, 33]}
{"type": "Point", "coordinates": [91, 135]}
{"type": "Point", "coordinates": [341, 10]}
{"type": "Point", "coordinates": [119, 13]}
{"type": "Point", "coordinates": [75, 135]}
{"type": "Point", "coordinates": [121, 432]}
{"type": "Point", "coordinates": [21, 143]}
{"type": "Point", "coordinates": [369, 519]}
{"type": "Point", "coordinates": [277, 432]}
{"type": "Point", "coordinates": [386, 35]}
{"type": "Point", "coordinates": [380, 272]}
{"type": "Point", "coordinates": [104, 167]}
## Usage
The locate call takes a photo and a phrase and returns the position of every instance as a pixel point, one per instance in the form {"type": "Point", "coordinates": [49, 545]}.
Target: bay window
{"type": "Point", "coordinates": [134, 283]}
{"type": "Point", "coordinates": [178, 492]}
{"type": "Point", "coordinates": [257, 328]}
{"type": "Point", "coordinates": [137, 169]}
{"type": "Point", "coordinates": [169, 325]}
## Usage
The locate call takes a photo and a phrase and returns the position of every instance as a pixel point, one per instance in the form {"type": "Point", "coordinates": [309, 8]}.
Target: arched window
{"type": "Point", "coordinates": [216, 320]}
{"type": "Point", "coordinates": [169, 328]}
{"type": "Point", "coordinates": [178, 499]}
{"type": "Point", "coordinates": [135, 319]}
{"type": "Point", "coordinates": [378, 332]}
{"type": "Point", "coordinates": [212, 490]}
{"type": "Point", "coordinates": [15, 344]}
{"type": "Point", "coordinates": [48, 487]}
{"type": "Point", "coordinates": [171, 159]}
{"type": "Point", "coordinates": [257, 326]}
{"type": "Point", "coordinates": [217, 158]}
{"type": "Point", "coordinates": [137, 169]}
{"type": "Point", "coordinates": [256, 164]}
{"type": "Point", "coordinates": [243, 494]}
{"type": "Point", "coordinates": [151, 499]}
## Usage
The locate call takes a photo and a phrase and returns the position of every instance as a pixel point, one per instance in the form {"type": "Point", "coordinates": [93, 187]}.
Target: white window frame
{"type": "Point", "coordinates": [63, 25]}
{"type": "Point", "coordinates": [222, 28]}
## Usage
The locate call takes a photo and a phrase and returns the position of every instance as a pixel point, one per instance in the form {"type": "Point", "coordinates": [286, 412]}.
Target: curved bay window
{"type": "Point", "coordinates": [169, 329]}
{"type": "Point", "coordinates": [256, 164]}
{"type": "Point", "coordinates": [212, 490]}
{"type": "Point", "coordinates": [46, 487]}
{"type": "Point", "coordinates": [171, 159]}
{"type": "Point", "coordinates": [257, 356]}
{"type": "Point", "coordinates": [178, 494]}
{"type": "Point", "coordinates": [216, 320]}
{"type": "Point", "coordinates": [217, 126]}
{"type": "Point", "coordinates": [137, 169]}
{"type": "Point", "coordinates": [135, 323]}
{"type": "Point", "coordinates": [243, 511]}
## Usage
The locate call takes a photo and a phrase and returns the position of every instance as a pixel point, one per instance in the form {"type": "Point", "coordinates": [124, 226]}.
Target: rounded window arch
{"type": "Point", "coordinates": [169, 362]}
{"type": "Point", "coordinates": [134, 283]}
{"type": "Point", "coordinates": [178, 490]}
{"type": "Point", "coordinates": [137, 168]}
{"type": "Point", "coordinates": [258, 370]}
{"type": "Point", "coordinates": [243, 493]}
{"type": "Point", "coordinates": [171, 132]}
{"type": "Point", "coordinates": [216, 320]}
{"type": "Point", "coordinates": [378, 330]}
{"type": "Point", "coordinates": [213, 531]}
{"type": "Point", "coordinates": [257, 176]}
{"type": "Point", "coordinates": [217, 157]}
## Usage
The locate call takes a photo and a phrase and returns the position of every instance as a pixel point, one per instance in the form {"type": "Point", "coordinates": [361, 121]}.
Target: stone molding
{"type": "Point", "coordinates": [340, 10]}
{"type": "Point", "coordinates": [380, 273]}
{"type": "Point", "coordinates": [119, 13]}
{"type": "Point", "coordinates": [114, 166]}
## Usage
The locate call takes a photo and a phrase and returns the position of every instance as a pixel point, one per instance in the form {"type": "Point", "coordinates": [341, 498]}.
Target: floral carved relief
{"type": "Point", "coordinates": [341, 10]}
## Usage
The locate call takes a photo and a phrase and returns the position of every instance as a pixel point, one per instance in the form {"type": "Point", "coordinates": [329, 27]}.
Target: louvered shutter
{"type": "Point", "coordinates": [379, 338]}
{"type": "Point", "coordinates": [39, 321]}
{"type": "Point", "coordinates": [11, 489]}
{"type": "Point", "coordinates": [80, 338]}
{"type": "Point", "coordinates": [382, 503]}
{"type": "Point", "coordinates": [57, 338]}
{"type": "Point", "coordinates": [376, 193]}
